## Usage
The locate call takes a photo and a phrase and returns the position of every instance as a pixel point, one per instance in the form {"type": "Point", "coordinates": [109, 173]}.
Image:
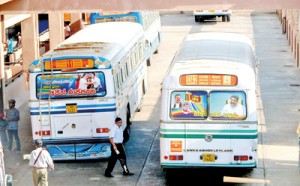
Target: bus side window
{"type": "Point", "coordinates": [136, 54]}
{"type": "Point", "coordinates": [141, 53]}
{"type": "Point", "coordinates": [116, 82]}
{"type": "Point", "coordinates": [132, 61]}
{"type": "Point", "coordinates": [128, 67]}
{"type": "Point", "coordinates": [124, 73]}
{"type": "Point", "coordinates": [121, 76]}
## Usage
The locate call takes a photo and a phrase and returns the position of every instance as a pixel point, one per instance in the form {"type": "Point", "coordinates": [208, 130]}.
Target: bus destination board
{"type": "Point", "coordinates": [69, 63]}
{"type": "Point", "coordinates": [208, 80]}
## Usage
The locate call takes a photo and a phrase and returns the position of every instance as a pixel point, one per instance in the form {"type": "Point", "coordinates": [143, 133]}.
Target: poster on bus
{"type": "Point", "coordinates": [230, 105]}
{"type": "Point", "coordinates": [71, 85]}
{"type": "Point", "coordinates": [189, 105]}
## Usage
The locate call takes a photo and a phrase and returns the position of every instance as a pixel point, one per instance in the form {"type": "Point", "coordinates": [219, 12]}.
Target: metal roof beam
{"type": "Point", "coordinates": [40, 6]}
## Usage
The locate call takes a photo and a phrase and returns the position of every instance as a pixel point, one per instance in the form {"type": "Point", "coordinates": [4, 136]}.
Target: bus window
{"type": "Point", "coordinates": [70, 85]}
{"type": "Point", "coordinates": [227, 105]}
{"type": "Point", "coordinates": [126, 68]}
{"type": "Point", "coordinates": [188, 105]}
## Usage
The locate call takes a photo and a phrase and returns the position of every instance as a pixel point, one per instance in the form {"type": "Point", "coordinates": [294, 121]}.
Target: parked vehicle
{"type": "Point", "coordinates": [201, 15]}
{"type": "Point", "coordinates": [5, 179]}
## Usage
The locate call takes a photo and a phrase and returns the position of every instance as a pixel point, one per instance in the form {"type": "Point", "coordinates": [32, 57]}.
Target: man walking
{"type": "Point", "coordinates": [117, 149]}
{"type": "Point", "coordinates": [40, 159]}
{"type": "Point", "coordinates": [12, 117]}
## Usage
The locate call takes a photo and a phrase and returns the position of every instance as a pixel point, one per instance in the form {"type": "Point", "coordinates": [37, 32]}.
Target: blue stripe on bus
{"type": "Point", "coordinates": [78, 106]}
{"type": "Point", "coordinates": [78, 111]}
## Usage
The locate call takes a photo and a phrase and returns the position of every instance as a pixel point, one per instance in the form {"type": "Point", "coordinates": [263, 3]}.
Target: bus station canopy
{"type": "Point", "coordinates": [33, 6]}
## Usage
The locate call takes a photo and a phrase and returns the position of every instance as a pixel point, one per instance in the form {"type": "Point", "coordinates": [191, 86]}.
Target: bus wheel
{"type": "Point", "coordinates": [149, 62]}
{"type": "Point", "coordinates": [223, 18]}
{"type": "Point", "coordinates": [126, 132]}
{"type": "Point", "coordinates": [144, 88]}
{"type": "Point", "coordinates": [228, 18]}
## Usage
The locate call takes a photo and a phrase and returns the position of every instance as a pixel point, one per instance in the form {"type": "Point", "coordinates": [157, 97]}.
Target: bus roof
{"type": "Point", "coordinates": [213, 53]}
{"type": "Point", "coordinates": [229, 47]}
{"type": "Point", "coordinates": [123, 32]}
{"type": "Point", "coordinates": [104, 40]}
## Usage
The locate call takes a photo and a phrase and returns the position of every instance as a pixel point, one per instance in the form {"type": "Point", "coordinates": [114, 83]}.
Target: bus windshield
{"type": "Point", "coordinates": [189, 105]}
{"type": "Point", "coordinates": [227, 105]}
{"type": "Point", "coordinates": [70, 85]}
{"type": "Point", "coordinates": [223, 105]}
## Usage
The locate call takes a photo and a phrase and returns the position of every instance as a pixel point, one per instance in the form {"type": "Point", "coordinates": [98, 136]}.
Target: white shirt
{"type": "Point", "coordinates": [229, 109]}
{"type": "Point", "coordinates": [44, 160]}
{"type": "Point", "coordinates": [96, 82]}
{"type": "Point", "coordinates": [116, 133]}
{"type": "Point", "coordinates": [67, 31]}
{"type": "Point", "coordinates": [82, 83]}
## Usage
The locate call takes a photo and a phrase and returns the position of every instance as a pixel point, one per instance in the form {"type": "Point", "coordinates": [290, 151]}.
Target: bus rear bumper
{"type": "Point", "coordinates": [78, 149]}
{"type": "Point", "coordinates": [190, 165]}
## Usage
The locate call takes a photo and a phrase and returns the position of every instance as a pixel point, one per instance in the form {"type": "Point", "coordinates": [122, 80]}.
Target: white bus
{"type": "Point", "coordinates": [150, 20]}
{"type": "Point", "coordinates": [80, 87]}
{"type": "Point", "coordinates": [208, 112]}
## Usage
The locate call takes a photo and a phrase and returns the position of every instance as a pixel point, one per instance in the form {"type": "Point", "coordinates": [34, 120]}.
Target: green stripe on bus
{"type": "Point", "coordinates": [210, 131]}
{"type": "Point", "coordinates": [216, 136]}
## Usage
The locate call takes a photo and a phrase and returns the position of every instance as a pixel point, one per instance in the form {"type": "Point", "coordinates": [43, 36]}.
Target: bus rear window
{"type": "Point", "coordinates": [70, 85]}
{"type": "Point", "coordinates": [188, 105]}
{"type": "Point", "coordinates": [229, 105]}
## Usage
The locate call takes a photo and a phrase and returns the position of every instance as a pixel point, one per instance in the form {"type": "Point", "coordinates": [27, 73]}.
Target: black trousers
{"type": "Point", "coordinates": [114, 157]}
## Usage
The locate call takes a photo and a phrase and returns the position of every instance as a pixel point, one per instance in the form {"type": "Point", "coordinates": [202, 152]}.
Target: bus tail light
{"type": "Point", "coordinates": [102, 130]}
{"type": "Point", "coordinates": [240, 158]}
{"type": "Point", "coordinates": [176, 157]}
{"type": "Point", "coordinates": [43, 133]}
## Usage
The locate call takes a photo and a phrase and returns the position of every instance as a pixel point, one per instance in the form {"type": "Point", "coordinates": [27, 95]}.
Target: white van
{"type": "Point", "coordinates": [201, 15]}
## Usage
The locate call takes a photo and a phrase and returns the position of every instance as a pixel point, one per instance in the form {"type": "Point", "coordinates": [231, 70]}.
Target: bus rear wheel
{"type": "Point", "coordinates": [126, 132]}
{"type": "Point", "coordinates": [149, 62]}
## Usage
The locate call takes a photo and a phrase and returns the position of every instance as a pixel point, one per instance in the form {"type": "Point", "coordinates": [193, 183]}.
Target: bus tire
{"type": "Point", "coordinates": [126, 132]}
{"type": "Point", "coordinates": [228, 18]}
{"type": "Point", "coordinates": [223, 18]}
{"type": "Point", "coordinates": [149, 62]}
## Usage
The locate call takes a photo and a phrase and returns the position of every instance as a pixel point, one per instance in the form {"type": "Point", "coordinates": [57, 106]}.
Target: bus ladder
{"type": "Point", "coordinates": [42, 103]}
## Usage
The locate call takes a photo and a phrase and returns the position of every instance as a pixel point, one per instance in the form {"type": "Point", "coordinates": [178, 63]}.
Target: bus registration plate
{"type": "Point", "coordinates": [208, 158]}
{"type": "Point", "coordinates": [71, 108]}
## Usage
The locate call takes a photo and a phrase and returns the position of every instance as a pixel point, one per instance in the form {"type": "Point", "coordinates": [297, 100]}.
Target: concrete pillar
{"type": "Point", "coordinates": [30, 40]}
{"type": "Point", "coordinates": [2, 71]}
{"type": "Point", "coordinates": [2, 39]}
{"type": "Point", "coordinates": [56, 29]}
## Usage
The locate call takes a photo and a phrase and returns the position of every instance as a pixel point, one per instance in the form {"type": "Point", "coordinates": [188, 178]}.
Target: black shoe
{"type": "Point", "coordinates": [127, 173]}
{"type": "Point", "coordinates": [108, 175]}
